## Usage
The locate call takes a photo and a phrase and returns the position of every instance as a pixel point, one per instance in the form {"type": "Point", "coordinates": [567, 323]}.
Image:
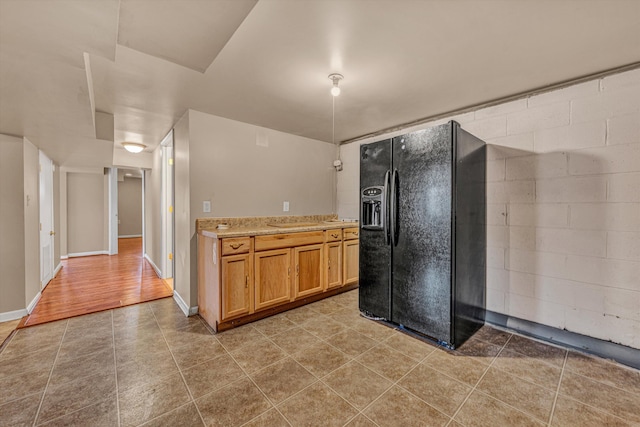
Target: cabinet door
{"type": "Point", "coordinates": [272, 278]}
{"type": "Point", "coordinates": [308, 266]}
{"type": "Point", "coordinates": [350, 266]}
{"type": "Point", "coordinates": [333, 256]}
{"type": "Point", "coordinates": [236, 285]}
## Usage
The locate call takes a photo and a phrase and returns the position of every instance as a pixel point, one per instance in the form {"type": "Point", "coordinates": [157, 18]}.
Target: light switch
{"type": "Point", "coordinates": [206, 206]}
{"type": "Point", "coordinates": [285, 206]}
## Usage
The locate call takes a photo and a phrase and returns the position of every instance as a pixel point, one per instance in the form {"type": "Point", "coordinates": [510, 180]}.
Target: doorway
{"type": "Point", "coordinates": [167, 204]}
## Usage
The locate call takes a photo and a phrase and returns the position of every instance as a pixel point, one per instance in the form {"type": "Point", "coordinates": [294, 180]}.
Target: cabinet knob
{"type": "Point", "coordinates": [335, 236]}
{"type": "Point", "coordinates": [236, 245]}
{"type": "Point", "coordinates": [246, 282]}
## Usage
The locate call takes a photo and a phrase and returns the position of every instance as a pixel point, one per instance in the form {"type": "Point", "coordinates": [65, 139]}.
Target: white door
{"type": "Point", "coordinates": [47, 233]}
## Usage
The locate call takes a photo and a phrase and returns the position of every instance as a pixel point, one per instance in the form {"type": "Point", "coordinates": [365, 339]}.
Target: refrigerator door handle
{"type": "Point", "coordinates": [393, 203]}
{"type": "Point", "coordinates": [385, 213]}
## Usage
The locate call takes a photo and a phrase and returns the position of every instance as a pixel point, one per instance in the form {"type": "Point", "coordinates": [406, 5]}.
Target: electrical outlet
{"type": "Point", "coordinates": [285, 206]}
{"type": "Point", "coordinates": [206, 206]}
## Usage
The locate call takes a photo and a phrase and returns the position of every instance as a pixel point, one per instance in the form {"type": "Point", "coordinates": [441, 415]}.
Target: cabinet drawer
{"type": "Point", "coordinates": [334, 235]}
{"type": "Point", "coordinates": [351, 233]}
{"type": "Point", "coordinates": [276, 241]}
{"type": "Point", "coordinates": [238, 245]}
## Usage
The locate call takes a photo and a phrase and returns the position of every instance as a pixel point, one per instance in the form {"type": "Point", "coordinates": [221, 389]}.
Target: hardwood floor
{"type": "Point", "coordinates": [95, 283]}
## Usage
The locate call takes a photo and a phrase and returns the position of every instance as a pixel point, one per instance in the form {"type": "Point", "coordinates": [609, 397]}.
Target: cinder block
{"type": "Point", "coordinates": [495, 301]}
{"type": "Point", "coordinates": [624, 245]}
{"type": "Point", "coordinates": [495, 170]}
{"type": "Point", "coordinates": [497, 279]}
{"type": "Point", "coordinates": [497, 236]}
{"type": "Point", "coordinates": [521, 238]}
{"type": "Point", "coordinates": [619, 302]}
{"type": "Point", "coordinates": [502, 109]}
{"type": "Point", "coordinates": [624, 129]}
{"type": "Point", "coordinates": [571, 189]}
{"type": "Point", "coordinates": [609, 159]}
{"type": "Point", "coordinates": [495, 257]}
{"type": "Point", "coordinates": [597, 324]}
{"type": "Point", "coordinates": [606, 104]}
{"type": "Point", "coordinates": [605, 216]}
{"type": "Point", "coordinates": [539, 215]}
{"type": "Point", "coordinates": [572, 137]}
{"type": "Point", "coordinates": [521, 306]}
{"type": "Point", "coordinates": [567, 241]}
{"type": "Point", "coordinates": [542, 117]}
{"type": "Point", "coordinates": [492, 127]}
{"type": "Point", "coordinates": [510, 192]}
{"type": "Point", "coordinates": [510, 146]}
{"type": "Point", "coordinates": [603, 271]}
{"type": "Point", "coordinates": [621, 80]}
{"type": "Point", "coordinates": [540, 263]}
{"type": "Point", "coordinates": [522, 284]}
{"type": "Point", "coordinates": [549, 313]}
{"type": "Point", "coordinates": [497, 214]}
{"type": "Point", "coordinates": [579, 90]}
{"type": "Point", "coordinates": [546, 165]}
{"type": "Point", "coordinates": [624, 187]}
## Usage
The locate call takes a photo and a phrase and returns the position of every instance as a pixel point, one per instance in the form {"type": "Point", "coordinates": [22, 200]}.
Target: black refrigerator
{"type": "Point", "coordinates": [423, 232]}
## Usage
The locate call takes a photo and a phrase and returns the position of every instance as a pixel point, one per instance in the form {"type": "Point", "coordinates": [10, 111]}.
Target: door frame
{"type": "Point", "coordinates": [167, 207]}
{"type": "Point", "coordinates": [46, 217]}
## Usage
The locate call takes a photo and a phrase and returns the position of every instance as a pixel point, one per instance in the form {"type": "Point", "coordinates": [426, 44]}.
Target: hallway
{"type": "Point", "coordinates": [96, 283]}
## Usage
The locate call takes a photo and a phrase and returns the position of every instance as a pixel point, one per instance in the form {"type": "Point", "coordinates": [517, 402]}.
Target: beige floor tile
{"type": "Point", "coordinates": [212, 375]}
{"type": "Point", "coordinates": [73, 349]}
{"type": "Point", "coordinates": [351, 342]}
{"type": "Point", "coordinates": [102, 414]}
{"type": "Point", "coordinates": [77, 394]}
{"type": "Point", "coordinates": [570, 412]}
{"type": "Point", "coordinates": [492, 335]}
{"type": "Point", "coordinates": [195, 332]}
{"type": "Point", "coordinates": [409, 345]}
{"type": "Point", "coordinates": [533, 370]}
{"type": "Point", "coordinates": [25, 342]}
{"type": "Point", "coordinates": [21, 412]}
{"type": "Point", "coordinates": [197, 352]}
{"type": "Point", "coordinates": [282, 379]}
{"type": "Point", "coordinates": [301, 314]}
{"type": "Point", "coordinates": [99, 363]}
{"type": "Point", "coordinates": [371, 329]}
{"type": "Point", "coordinates": [357, 384]}
{"type": "Point", "coordinates": [604, 371]}
{"type": "Point", "coordinates": [176, 320]}
{"type": "Point", "coordinates": [139, 349]}
{"type": "Point", "coordinates": [318, 406]}
{"type": "Point", "coordinates": [274, 325]}
{"type": "Point", "coordinates": [599, 395]}
{"type": "Point", "coordinates": [101, 319]}
{"type": "Point", "coordinates": [12, 363]}
{"type": "Point", "coordinates": [6, 328]}
{"type": "Point", "coordinates": [321, 358]}
{"type": "Point", "coordinates": [141, 404]}
{"type": "Point", "coordinates": [233, 405]}
{"type": "Point", "coordinates": [269, 353]}
{"type": "Point", "coordinates": [478, 350]}
{"type": "Point", "coordinates": [144, 370]}
{"type": "Point", "coordinates": [294, 340]}
{"type": "Point", "coordinates": [271, 418]}
{"type": "Point", "coordinates": [323, 327]}
{"type": "Point", "coordinates": [387, 362]}
{"type": "Point", "coordinates": [481, 410]}
{"type": "Point", "coordinates": [397, 407]}
{"type": "Point", "coordinates": [144, 331]}
{"type": "Point", "coordinates": [235, 338]}
{"type": "Point", "coordinates": [438, 390]}
{"type": "Point", "coordinates": [523, 395]}
{"type": "Point", "coordinates": [361, 421]}
{"type": "Point", "coordinates": [459, 367]}
{"type": "Point", "coordinates": [132, 315]}
{"type": "Point", "coordinates": [185, 416]}
{"type": "Point", "coordinates": [23, 383]}
{"type": "Point", "coordinates": [327, 306]}
{"type": "Point", "coordinates": [347, 316]}
{"type": "Point", "coordinates": [534, 349]}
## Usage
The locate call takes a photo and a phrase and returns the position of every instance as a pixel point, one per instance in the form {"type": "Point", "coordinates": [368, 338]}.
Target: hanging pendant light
{"type": "Point", "coordinates": [335, 78]}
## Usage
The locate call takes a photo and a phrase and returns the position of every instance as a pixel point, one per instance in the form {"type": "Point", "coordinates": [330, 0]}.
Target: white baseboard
{"type": "Point", "coordinates": [188, 311]}
{"type": "Point", "coordinates": [12, 315]}
{"type": "Point", "coordinates": [79, 254]}
{"type": "Point", "coordinates": [33, 302]}
{"type": "Point", "coordinates": [64, 257]}
{"type": "Point", "coordinates": [153, 264]}
{"type": "Point", "coordinates": [129, 236]}
{"type": "Point", "coordinates": [57, 270]}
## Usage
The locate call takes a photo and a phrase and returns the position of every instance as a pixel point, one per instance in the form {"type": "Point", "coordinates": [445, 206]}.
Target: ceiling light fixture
{"type": "Point", "coordinates": [133, 147]}
{"type": "Point", "coordinates": [335, 78]}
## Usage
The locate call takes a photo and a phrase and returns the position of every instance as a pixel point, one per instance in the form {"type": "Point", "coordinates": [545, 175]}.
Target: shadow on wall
{"type": "Point", "coordinates": [547, 259]}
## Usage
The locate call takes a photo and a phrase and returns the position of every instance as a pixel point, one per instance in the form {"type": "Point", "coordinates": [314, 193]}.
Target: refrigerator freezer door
{"type": "Point", "coordinates": [375, 253]}
{"type": "Point", "coordinates": [422, 261]}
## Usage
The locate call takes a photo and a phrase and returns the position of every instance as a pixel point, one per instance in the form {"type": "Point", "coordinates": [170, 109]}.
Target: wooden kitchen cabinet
{"type": "Point", "coordinates": [237, 278]}
{"type": "Point", "coordinates": [350, 253]}
{"type": "Point", "coordinates": [333, 268]}
{"type": "Point", "coordinates": [272, 278]}
{"type": "Point", "coordinates": [309, 266]}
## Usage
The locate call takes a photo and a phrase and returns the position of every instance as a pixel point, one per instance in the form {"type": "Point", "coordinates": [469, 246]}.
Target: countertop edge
{"type": "Point", "coordinates": [267, 230]}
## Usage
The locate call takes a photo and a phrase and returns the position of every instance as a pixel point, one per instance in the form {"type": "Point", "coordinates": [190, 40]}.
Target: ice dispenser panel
{"type": "Point", "coordinates": [373, 208]}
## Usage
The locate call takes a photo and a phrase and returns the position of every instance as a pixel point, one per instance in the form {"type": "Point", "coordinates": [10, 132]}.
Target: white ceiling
{"type": "Point", "coordinates": [267, 62]}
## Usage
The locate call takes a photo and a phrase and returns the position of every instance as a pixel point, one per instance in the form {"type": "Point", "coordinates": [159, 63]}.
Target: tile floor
{"type": "Point", "coordinates": [318, 365]}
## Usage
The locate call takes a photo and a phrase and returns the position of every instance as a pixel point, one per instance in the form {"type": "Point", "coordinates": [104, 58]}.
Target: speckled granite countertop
{"type": "Point", "coordinates": [255, 226]}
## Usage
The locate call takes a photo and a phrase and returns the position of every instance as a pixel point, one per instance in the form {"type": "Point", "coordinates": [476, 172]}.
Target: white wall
{"type": "Point", "coordinates": [31, 221]}
{"type": "Point", "coordinates": [182, 275]}
{"type": "Point", "coordinates": [86, 213]}
{"type": "Point", "coordinates": [563, 197]}
{"type": "Point", "coordinates": [130, 207]}
{"type": "Point", "coordinates": [152, 213]}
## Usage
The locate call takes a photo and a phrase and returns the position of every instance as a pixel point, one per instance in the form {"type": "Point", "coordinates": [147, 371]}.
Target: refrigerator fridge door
{"type": "Point", "coordinates": [421, 227]}
{"type": "Point", "coordinates": [375, 253]}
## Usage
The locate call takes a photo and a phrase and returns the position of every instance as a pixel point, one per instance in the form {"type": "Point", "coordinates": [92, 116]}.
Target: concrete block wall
{"type": "Point", "coordinates": [563, 213]}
